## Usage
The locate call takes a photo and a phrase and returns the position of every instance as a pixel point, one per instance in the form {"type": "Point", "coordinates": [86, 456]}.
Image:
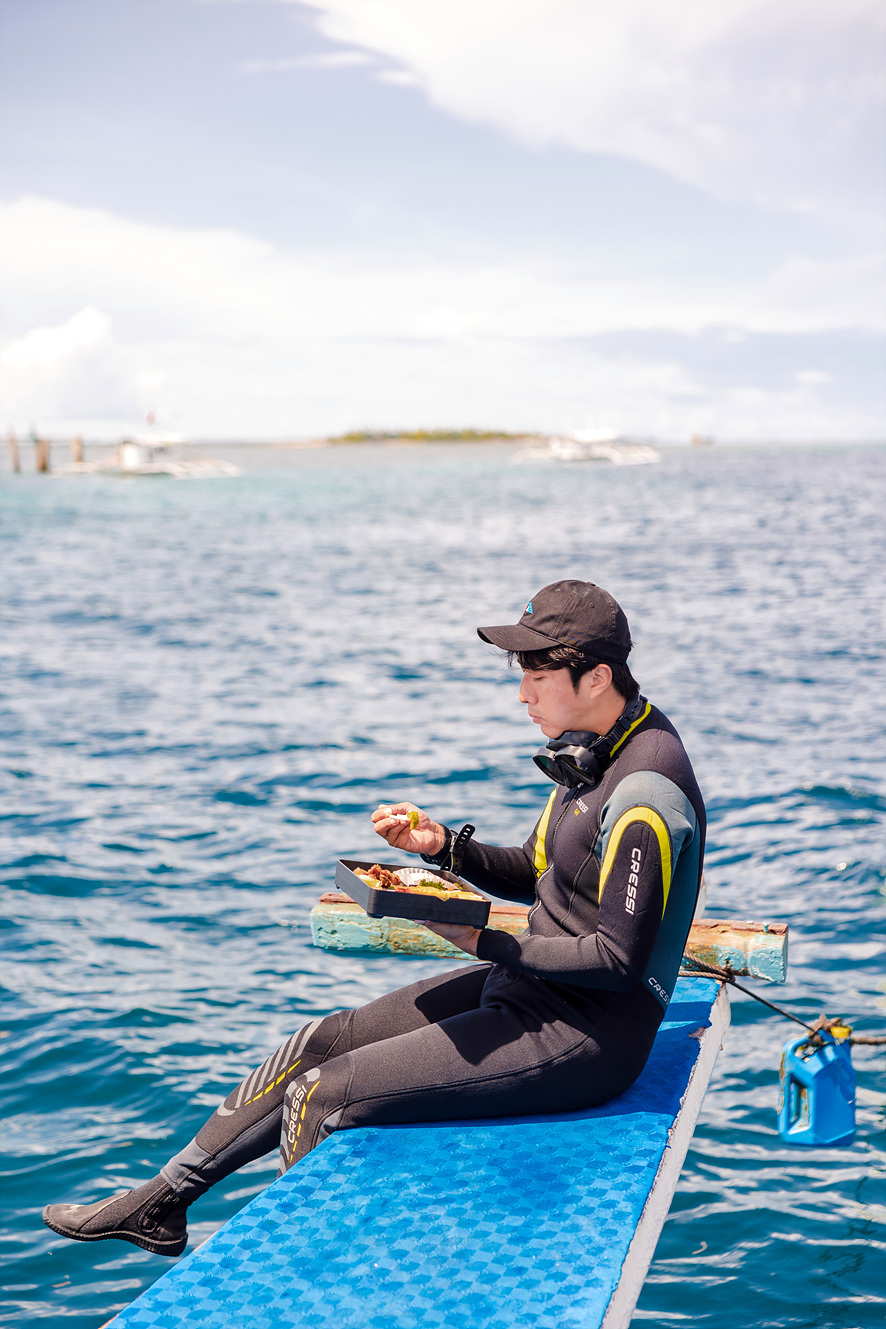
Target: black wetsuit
{"type": "Point", "coordinates": [561, 1017]}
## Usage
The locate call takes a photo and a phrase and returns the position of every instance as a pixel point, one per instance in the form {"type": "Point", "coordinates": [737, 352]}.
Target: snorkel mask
{"type": "Point", "coordinates": [577, 758]}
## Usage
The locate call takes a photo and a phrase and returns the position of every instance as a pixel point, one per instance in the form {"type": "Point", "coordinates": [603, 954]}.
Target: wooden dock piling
{"type": "Point", "coordinates": [15, 461]}
{"type": "Point", "coordinates": [41, 455]}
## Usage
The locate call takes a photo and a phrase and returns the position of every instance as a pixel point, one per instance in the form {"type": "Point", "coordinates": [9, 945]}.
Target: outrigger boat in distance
{"type": "Point", "coordinates": [590, 445]}
{"type": "Point", "coordinates": [150, 456]}
{"type": "Point", "coordinates": [500, 1223]}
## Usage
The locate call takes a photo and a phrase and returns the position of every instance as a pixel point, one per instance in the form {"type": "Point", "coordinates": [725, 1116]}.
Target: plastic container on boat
{"type": "Point", "coordinates": [817, 1101]}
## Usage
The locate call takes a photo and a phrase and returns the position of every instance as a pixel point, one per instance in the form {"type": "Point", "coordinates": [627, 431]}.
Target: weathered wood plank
{"type": "Point", "coordinates": [757, 950]}
{"type": "Point", "coordinates": [338, 924]}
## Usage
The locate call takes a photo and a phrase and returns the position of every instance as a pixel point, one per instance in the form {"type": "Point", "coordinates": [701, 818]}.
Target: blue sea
{"type": "Point", "coordinates": [208, 685]}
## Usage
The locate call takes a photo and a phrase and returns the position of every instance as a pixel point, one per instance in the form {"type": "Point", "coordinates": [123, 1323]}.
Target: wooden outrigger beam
{"type": "Point", "coordinates": [757, 950]}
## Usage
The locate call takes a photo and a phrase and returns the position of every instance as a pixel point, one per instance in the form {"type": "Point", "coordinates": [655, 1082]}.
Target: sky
{"type": "Point", "coordinates": [281, 219]}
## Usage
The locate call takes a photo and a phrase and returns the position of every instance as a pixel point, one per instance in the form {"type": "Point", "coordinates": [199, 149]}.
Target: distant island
{"type": "Point", "coordinates": [426, 436]}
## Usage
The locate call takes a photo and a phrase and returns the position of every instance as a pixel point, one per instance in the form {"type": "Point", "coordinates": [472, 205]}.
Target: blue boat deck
{"type": "Point", "coordinates": [545, 1221]}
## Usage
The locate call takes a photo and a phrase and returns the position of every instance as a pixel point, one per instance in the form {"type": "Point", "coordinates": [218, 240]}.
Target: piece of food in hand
{"type": "Point", "coordinates": [412, 817]}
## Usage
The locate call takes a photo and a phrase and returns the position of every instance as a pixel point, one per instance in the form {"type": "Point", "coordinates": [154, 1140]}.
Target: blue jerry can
{"type": "Point", "coordinates": [817, 1100]}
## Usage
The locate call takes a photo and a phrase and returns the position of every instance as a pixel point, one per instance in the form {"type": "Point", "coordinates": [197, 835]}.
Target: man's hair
{"type": "Point", "coordinates": [578, 663]}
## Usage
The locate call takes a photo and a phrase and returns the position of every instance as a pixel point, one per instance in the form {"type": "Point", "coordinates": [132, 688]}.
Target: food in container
{"type": "Point", "coordinates": [394, 891]}
{"type": "Point", "coordinates": [380, 878]}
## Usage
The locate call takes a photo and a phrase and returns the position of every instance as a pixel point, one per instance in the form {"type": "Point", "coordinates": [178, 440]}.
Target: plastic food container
{"type": "Point", "coordinates": [380, 903]}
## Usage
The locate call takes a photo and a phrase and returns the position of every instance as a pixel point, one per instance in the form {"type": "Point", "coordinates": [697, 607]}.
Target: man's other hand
{"type": "Point", "coordinates": [462, 936]}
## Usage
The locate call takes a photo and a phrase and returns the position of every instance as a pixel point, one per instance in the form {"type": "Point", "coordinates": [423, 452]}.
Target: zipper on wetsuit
{"type": "Point", "coordinates": [567, 803]}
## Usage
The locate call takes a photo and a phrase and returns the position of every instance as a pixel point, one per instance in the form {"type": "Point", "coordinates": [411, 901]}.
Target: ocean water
{"type": "Point", "coordinates": [208, 685]}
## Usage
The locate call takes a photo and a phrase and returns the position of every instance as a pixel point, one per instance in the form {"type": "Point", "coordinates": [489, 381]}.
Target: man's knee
{"type": "Point", "coordinates": [312, 1109]}
{"type": "Point", "coordinates": [296, 1129]}
{"type": "Point", "coordinates": [329, 1036]}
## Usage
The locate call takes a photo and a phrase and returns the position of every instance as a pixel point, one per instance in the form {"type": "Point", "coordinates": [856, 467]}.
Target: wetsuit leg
{"type": "Point", "coordinates": [523, 1050]}
{"type": "Point", "coordinates": [248, 1123]}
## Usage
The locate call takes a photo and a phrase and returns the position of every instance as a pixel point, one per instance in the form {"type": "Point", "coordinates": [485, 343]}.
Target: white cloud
{"type": "Point", "coordinates": [805, 376]}
{"type": "Point", "coordinates": [319, 60]}
{"type": "Point", "coordinates": [43, 349]}
{"type": "Point", "coordinates": [230, 336]}
{"type": "Point", "coordinates": [401, 78]}
{"type": "Point", "coordinates": [68, 370]}
{"type": "Point", "coordinates": [177, 283]}
{"type": "Point", "coordinates": [779, 102]}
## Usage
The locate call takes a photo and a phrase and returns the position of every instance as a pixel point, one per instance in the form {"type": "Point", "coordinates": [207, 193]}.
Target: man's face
{"type": "Point", "coordinates": [553, 704]}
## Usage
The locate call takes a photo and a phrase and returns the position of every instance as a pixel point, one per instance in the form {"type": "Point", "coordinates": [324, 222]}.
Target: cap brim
{"type": "Point", "coordinates": [516, 637]}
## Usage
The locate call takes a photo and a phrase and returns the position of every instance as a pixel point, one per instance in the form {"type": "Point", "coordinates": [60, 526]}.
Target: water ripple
{"type": "Point", "coordinates": [204, 693]}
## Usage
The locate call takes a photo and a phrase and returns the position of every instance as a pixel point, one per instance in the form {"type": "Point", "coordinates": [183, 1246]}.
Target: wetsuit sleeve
{"type": "Point", "coordinates": [510, 874]}
{"type": "Point", "coordinates": [507, 873]}
{"type": "Point", "coordinates": [639, 845]}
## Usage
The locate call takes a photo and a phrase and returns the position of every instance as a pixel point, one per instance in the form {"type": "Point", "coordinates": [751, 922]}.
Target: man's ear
{"type": "Point", "coordinates": [597, 679]}
{"type": "Point", "coordinates": [603, 674]}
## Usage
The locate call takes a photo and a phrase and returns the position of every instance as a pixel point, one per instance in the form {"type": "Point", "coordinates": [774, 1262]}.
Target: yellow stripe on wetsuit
{"type": "Point", "coordinates": [650, 818]}
{"type": "Point", "coordinates": [540, 858]}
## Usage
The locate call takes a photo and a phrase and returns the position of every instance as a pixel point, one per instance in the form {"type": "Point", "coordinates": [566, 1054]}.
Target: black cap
{"type": "Point", "coordinates": [568, 613]}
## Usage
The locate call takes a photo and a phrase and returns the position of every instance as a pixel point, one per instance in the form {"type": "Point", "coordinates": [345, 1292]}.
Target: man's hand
{"type": "Point", "coordinates": [458, 933]}
{"type": "Point", "coordinates": [393, 823]}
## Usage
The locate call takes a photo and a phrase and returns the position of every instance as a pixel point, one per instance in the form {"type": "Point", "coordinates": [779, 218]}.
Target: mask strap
{"type": "Point", "coordinates": [622, 724]}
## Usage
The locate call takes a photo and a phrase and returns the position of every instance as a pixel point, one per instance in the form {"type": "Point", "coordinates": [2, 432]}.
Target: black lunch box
{"type": "Point", "coordinates": [399, 904]}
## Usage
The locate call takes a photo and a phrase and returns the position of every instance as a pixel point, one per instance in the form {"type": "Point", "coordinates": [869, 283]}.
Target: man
{"type": "Point", "coordinates": [563, 1016]}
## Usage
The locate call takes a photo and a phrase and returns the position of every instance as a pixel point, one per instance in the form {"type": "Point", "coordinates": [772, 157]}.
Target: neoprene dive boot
{"type": "Point", "coordinates": [153, 1216]}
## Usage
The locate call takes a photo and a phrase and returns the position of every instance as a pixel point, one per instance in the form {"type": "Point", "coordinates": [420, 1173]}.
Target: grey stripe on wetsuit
{"type": "Point", "coordinates": [277, 1068]}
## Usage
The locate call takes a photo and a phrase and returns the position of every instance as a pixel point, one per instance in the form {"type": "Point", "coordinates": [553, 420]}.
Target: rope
{"type": "Point", "coordinates": [822, 1024]}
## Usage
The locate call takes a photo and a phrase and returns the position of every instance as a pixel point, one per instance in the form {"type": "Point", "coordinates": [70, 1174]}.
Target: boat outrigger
{"type": "Point", "coordinates": [590, 445]}
{"type": "Point", "coordinates": [151, 456]}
